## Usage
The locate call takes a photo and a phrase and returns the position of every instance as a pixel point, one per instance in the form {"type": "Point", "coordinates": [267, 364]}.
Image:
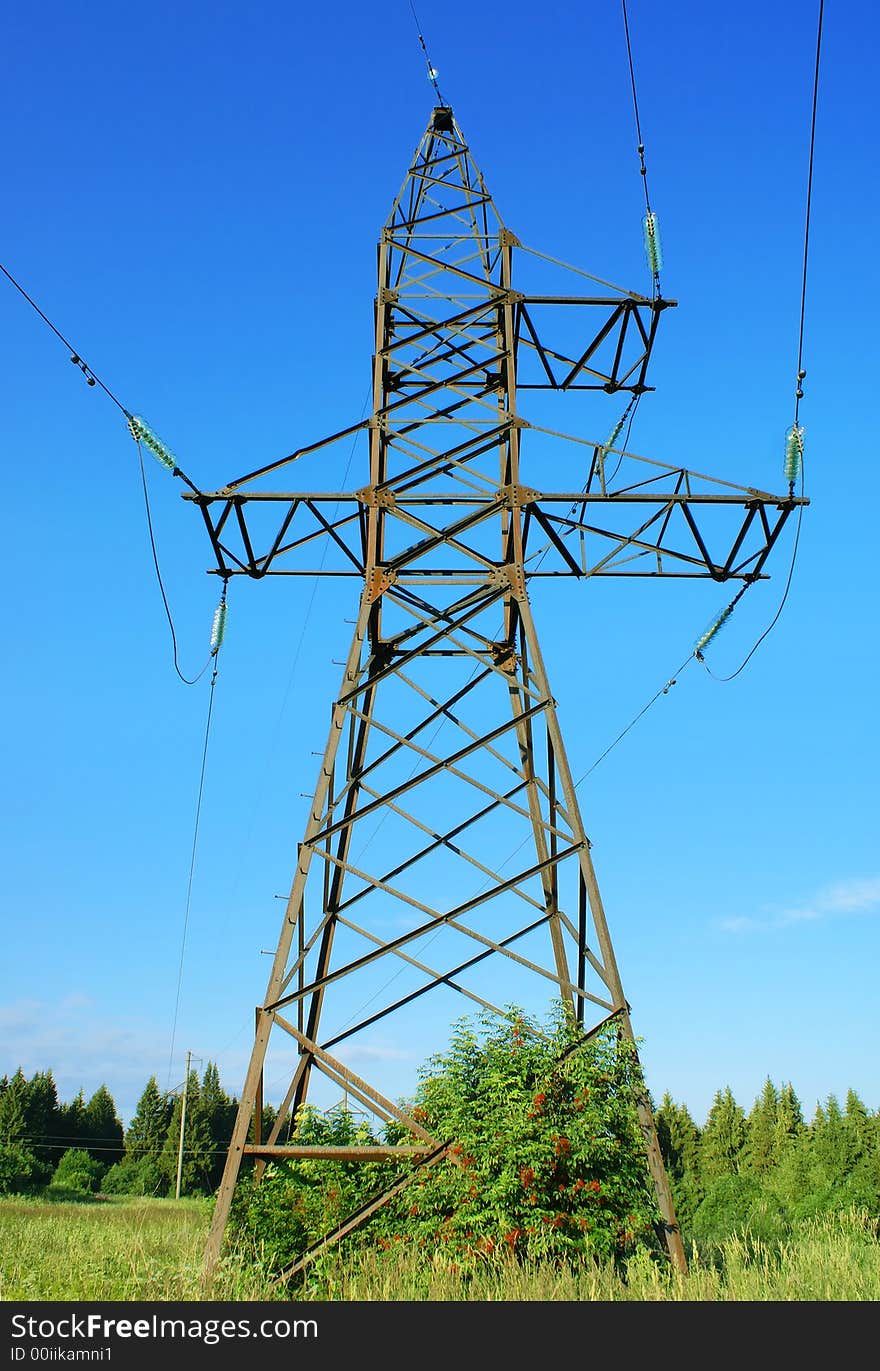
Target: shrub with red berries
{"type": "Point", "coordinates": [545, 1157]}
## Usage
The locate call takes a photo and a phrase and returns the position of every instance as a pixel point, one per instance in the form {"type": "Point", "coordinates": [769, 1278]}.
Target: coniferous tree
{"type": "Point", "coordinates": [140, 1172]}
{"type": "Point", "coordinates": [760, 1150]}
{"type": "Point", "coordinates": [789, 1121]}
{"type": "Point", "coordinates": [860, 1133]}
{"type": "Point", "coordinates": [218, 1110]}
{"type": "Point", "coordinates": [830, 1142]}
{"type": "Point", "coordinates": [71, 1121]}
{"type": "Point", "coordinates": [679, 1138]}
{"type": "Point", "coordinates": [723, 1139]}
{"type": "Point", "coordinates": [146, 1134]}
{"type": "Point", "coordinates": [42, 1111]}
{"type": "Point", "coordinates": [102, 1132]}
{"type": "Point", "coordinates": [20, 1167]}
{"type": "Point", "coordinates": [13, 1110]}
{"type": "Point", "coordinates": [198, 1146]}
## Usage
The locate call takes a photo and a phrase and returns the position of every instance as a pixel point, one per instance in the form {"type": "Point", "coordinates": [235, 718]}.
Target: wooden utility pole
{"type": "Point", "coordinates": [182, 1127]}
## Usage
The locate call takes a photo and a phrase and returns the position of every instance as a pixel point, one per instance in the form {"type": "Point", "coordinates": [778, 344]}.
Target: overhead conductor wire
{"type": "Point", "coordinates": [195, 839]}
{"type": "Point", "coordinates": [801, 373]}
{"type": "Point", "coordinates": [432, 71]}
{"type": "Point", "coordinates": [652, 236]}
{"type": "Point", "coordinates": [93, 379]}
{"type": "Point", "coordinates": [140, 432]}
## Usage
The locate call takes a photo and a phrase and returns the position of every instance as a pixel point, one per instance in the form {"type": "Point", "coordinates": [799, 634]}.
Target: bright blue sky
{"type": "Point", "coordinates": [193, 195]}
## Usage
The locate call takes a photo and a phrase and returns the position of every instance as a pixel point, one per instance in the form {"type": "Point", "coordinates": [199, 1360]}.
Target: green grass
{"type": "Point", "coordinates": [151, 1250]}
{"type": "Point", "coordinates": [126, 1249]}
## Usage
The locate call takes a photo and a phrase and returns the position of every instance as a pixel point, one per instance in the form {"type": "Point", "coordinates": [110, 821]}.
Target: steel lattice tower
{"type": "Point", "coordinates": [445, 761]}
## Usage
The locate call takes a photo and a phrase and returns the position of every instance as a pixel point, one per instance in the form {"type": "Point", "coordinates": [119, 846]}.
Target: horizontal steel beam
{"type": "Point", "coordinates": [334, 1154]}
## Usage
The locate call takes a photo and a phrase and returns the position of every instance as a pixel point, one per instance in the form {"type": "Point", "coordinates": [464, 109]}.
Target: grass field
{"type": "Point", "coordinates": [151, 1250]}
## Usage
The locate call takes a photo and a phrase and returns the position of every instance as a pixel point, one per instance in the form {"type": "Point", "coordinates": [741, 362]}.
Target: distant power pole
{"type": "Point", "coordinates": [444, 858]}
{"type": "Point", "coordinates": [182, 1127]}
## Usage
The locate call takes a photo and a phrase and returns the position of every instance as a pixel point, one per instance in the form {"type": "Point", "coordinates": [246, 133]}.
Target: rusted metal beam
{"type": "Point", "coordinates": [322, 1152]}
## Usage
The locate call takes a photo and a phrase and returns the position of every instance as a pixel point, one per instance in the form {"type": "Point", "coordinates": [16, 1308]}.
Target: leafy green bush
{"type": "Point", "coordinates": [296, 1202]}
{"type": "Point", "coordinates": [20, 1170]}
{"type": "Point", "coordinates": [546, 1157]}
{"type": "Point", "coordinates": [77, 1173]}
{"type": "Point", "coordinates": [136, 1176]}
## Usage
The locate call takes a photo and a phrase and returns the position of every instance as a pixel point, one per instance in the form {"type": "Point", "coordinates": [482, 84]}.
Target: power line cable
{"type": "Point", "coordinates": [601, 449]}
{"type": "Point", "coordinates": [652, 239]}
{"type": "Point", "coordinates": [664, 690]}
{"type": "Point", "coordinates": [186, 680]}
{"type": "Point", "coordinates": [775, 619]}
{"type": "Point", "coordinates": [800, 371]}
{"type": "Point", "coordinates": [795, 431]}
{"type": "Point", "coordinates": [138, 431]}
{"type": "Point", "coordinates": [192, 863]}
{"type": "Point", "coordinates": [272, 751]}
{"type": "Point", "coordinates": [93, 379]}
{"type": "Point", "coordinates": [432, 71]}
{"type": "Point", "coordinates": [632, 80]}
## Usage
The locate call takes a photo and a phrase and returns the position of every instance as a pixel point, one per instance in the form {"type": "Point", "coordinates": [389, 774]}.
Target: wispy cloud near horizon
{"type": "Point", "coordinates": [859, 895]}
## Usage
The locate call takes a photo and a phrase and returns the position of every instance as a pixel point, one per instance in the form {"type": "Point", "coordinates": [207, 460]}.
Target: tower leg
{"type": "Point", "coordinates": [292, 918]}
{"type": "Point", "coordinates": [609, 972]}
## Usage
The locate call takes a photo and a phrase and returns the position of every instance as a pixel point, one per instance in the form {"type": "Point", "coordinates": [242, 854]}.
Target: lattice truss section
{"type": "Point", "coordinates": [445, 813]}
{"type": "Point", "coordinates": [449, 452]}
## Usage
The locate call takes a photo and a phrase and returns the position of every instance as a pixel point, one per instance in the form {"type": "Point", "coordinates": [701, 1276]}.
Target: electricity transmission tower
{"type": "Point", "coordinates": [445, 858]}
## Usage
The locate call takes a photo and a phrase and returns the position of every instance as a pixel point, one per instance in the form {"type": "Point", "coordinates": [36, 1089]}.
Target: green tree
{"type": "Point", "coordinates": [679, 1139]}
{"type": "Point", "coordinates": [42, 1113]}
{"type": "Point", "coordinates": [723, 1139]}
{"type": "Point", "coordinates": [71, 1121]}
{"type": "Point", "coordinates": [831, 1141]}
{"type": "Point", "coordinates": [102, 1131]}
{"type": "Point", "coordinates": [760, 1150]}
{"type": "Point", "coordinates": [13, 1110]}
{"type": "Point", "coordinates": [146, 1134]}
{"type": "Point", "coordinates": [860, 1129]}
{"type": "Point", "coordinates": [218, 1111]}
{"type": "Point", "coordinates": [789, 1121]}
{"type": "Point", "coordinates": [141, 1170]}
{"type": "Point", "coordinates": [198, 1146]}
{"type": "Point", "coordinates": [21, 1170]}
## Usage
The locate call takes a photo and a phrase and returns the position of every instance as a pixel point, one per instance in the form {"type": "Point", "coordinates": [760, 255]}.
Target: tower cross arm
{"type": "Point", "coordinates": [678, 533]}
{"type": "Point", "coordinates": [650, 530]}
{"type": "Point", "coordinates": [613, 356]}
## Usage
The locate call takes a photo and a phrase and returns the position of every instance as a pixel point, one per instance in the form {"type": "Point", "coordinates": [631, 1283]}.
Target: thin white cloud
{"type": "Point", "coordinates": [859, 895]}
{"type": "Point", "coordinates": [378, 1052]}
{"type": "Point", "coordinates": [82, 1049]}
{"type": "Point", "coordinates": [85, 1048]}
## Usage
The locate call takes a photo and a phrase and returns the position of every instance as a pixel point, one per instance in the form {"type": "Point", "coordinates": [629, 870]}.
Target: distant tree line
{"type": "Point", "coordinates": [764, 1169]}
{"type": "Point", "coordinates": [82, 1147]}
